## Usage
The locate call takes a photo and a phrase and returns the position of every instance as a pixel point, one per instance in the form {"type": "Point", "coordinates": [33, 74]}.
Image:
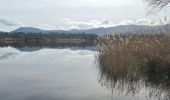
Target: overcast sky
{"type": "Point", "coordinates": [70, 14]}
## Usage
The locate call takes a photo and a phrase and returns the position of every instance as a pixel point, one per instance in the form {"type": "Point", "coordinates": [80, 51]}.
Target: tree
{"type": "Point", "coordinates": [157, 5]}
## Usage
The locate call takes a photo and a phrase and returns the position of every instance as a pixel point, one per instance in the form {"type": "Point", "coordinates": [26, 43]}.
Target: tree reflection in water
{"type": "Point", "coordinates": [129, 67]}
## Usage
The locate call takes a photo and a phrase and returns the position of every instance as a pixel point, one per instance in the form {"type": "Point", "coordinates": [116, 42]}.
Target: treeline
{"type": "Point", "coordinates": [46, 37]}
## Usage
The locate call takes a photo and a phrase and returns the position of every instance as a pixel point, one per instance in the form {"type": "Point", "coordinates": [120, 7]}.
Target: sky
{"type": "Point", "coordinates": [75, 14]}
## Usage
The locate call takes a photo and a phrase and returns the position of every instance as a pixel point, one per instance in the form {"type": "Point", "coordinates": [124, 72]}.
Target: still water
{"type": "Point", "coordinates": [33, 73]}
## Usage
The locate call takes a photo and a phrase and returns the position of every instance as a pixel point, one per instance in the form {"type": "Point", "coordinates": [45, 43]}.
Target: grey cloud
{"type": "Point", "coordinates": [70, 24]}
{"type": "Point", "coordinates": [9, 22]}
{"type": "Point", "coordinates": [88, 24]}
{"type": "Point", "coordinates": [143, 21]}
{"type": "Point", "coordinates": [106, 22]}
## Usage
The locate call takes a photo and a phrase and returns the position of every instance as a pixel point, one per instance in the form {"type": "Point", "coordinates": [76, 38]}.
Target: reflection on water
{"type": "Point", "coordinates": [7, 55]}
{"type": "Point", "coordinates": [70, 73]}
{"type": "Point", "coordinates": [49, 74]}
{"type": "Point", "coordinates": [38, 45]}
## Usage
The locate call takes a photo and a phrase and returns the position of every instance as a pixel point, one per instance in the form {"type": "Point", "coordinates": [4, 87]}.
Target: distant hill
{"type": "Point", "coordinates": [28, 30]}
{"type": "Point", "coordinates": [122, 29]}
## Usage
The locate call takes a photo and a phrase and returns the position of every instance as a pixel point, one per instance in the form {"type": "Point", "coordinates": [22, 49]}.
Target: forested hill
{"type": "Point", "coordinates": [122, 29]}
{"type": "Point", "coordinates": [50, 38]}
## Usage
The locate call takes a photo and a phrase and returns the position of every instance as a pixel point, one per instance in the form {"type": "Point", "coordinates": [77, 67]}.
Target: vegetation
{"type": "Point", "coordinates": [157, 5]}
{"type": "Point", "coordinates": [132, 62]}
{"type": "Point", "coordinates": [45, 38]}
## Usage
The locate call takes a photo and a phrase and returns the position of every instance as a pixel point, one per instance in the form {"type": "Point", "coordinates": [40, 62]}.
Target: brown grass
{"type": "Point", "coordinates": [136, 50]}
{"type": "Point", "coordinates": [127, 60]}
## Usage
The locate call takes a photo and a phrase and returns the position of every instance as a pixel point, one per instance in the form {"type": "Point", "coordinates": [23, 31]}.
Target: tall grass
{"type": "Point", "coordinates": [136, 50]}
{"type": "Point", "coordinates": [128, 61]}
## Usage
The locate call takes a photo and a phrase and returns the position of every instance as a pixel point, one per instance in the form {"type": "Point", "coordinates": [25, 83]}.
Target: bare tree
{"type": "Point", "coordinates": [157, 5]}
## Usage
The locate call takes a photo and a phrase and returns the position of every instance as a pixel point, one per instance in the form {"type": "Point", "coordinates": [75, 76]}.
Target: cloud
{"type": "Point", "coordinates": [1, 30]}
{"type": "Point", "coordinates": [143, 21]}
{"type": "Point", "coordinates": [108, 23]}
{"type": "Point", "coordinates": [9, 22]}
{"type": "Point", "coordinates": [69, 24]}
{"type": "Point", "coordinates": [47, 27]}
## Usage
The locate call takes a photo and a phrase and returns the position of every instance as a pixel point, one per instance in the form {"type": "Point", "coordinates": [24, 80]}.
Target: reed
{"type": "Point", "coordinates": [132, 61]}
{"type": "Point", "coordinates": [133, 50]}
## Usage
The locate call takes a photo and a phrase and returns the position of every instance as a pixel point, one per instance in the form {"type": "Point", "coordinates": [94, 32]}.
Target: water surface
{"type": "Point", "coordinates": [49, 74]}
{"type": "Point", "coordinates": [69, 73]}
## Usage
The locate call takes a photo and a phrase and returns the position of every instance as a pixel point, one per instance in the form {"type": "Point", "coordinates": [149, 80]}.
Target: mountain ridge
{"type": "Point", "coordinates": [101, 30]}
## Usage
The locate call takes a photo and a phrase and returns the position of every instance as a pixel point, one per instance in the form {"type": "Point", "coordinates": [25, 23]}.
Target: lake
{"type": "Point", "coordinates": [66, 73]}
